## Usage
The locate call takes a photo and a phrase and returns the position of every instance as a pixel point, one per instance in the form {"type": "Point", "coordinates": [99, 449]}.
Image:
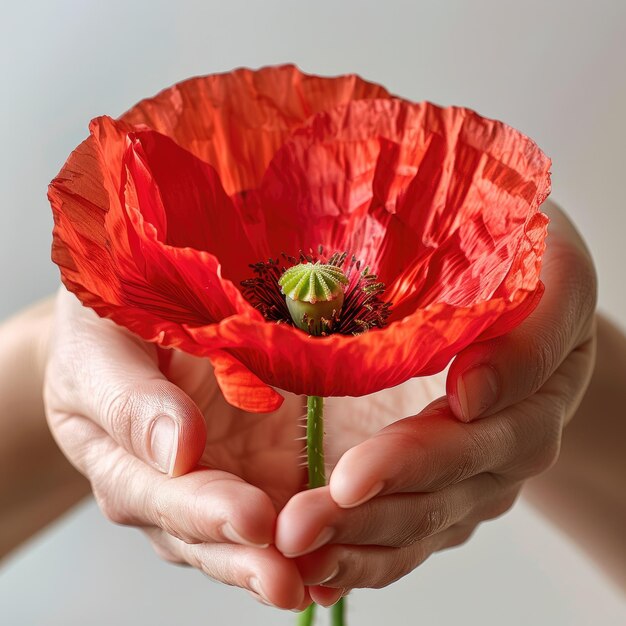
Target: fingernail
{"type": "Point", "coordinates": [255, 585]}
{"type": "Point", "coordinates": [376, 489]}
{"type": "Point", "coordinates": [477, 390]}
{"type": "Point", "coordinates": [322, 539]}
{"type": "Point", "coordinates": [232, 535]}
{"type": "Point", "coordinates": [328, 602]}
{"type": "Point", "coordinates": [327, 605]}
{"type": "Point", "coordinates": [258, 598]}
{"type": "Point", "coordinates": [330, 577]}
{"type": "Point", "coordinates": [163, 443]}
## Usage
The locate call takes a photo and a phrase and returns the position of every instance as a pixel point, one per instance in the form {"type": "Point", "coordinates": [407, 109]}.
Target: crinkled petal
{"type": "Point", "coordinates": [157, 215]}
{"type": "Point", "coordinates": [435, 200]}
{"type": "Point", "coordinates": [338, 365]}
{"type": "Point", "coordinates": [237, 121]}
{"type": "Point", "coordinates": [113, 259]}
{"type": "Point", "coordinates": [241, 387]}
{"type": "Point", "coordinates": [183, 198]}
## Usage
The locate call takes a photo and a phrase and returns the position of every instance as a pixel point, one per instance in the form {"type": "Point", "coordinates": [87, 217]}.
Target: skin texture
{"type": "Point", "coordinates": [213, 486]}
{"type": "Point", "coordinates": [37, 483]}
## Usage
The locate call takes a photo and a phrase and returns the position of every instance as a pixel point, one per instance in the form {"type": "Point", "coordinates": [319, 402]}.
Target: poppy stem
{"type": "Point", "coordinates": [337, 612]}
{"type": "Point", "coordinates": [317, 478]}
{"type": "Point", "coordinates": [307, 616]}
{"type": "Point", "coordinates": [315, 441]}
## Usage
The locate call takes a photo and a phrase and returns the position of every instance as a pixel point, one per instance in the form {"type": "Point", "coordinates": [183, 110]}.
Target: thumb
{"type": "Point", "coordinates": [102, 373]}
{"type": "Point", "coordinates": [489, 376]}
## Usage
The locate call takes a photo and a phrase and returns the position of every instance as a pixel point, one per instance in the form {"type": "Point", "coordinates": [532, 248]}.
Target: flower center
{"type": "Point", "coordinates": [319, 295]}
{"type": "Point", "coordinates": [314, 296]}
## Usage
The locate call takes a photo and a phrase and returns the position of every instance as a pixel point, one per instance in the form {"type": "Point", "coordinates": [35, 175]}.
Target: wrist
{"type": "Point", "coordinates": [38, 483]}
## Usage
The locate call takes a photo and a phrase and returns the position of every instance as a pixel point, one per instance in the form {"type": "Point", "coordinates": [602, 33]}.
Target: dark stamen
{"type": "Point", "coordinates": [363, 307]}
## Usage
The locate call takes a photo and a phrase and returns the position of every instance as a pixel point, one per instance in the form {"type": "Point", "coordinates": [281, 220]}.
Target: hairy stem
{"type": "Point", "coordinates": [317, 478]}
{"type": "Point", "coordinates": [315, 441]}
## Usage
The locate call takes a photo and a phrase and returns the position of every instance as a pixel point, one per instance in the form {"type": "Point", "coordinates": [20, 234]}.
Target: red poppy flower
{"type": "Point", "coordinates": [160, 214]}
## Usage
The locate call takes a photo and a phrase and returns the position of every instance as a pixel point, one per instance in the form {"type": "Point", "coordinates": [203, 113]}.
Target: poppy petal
{"type": "Point", "coordinates": [157, 215]}
{"type": "Point", "coordinates": [113, 260]}
{"type": "Point", "coordinates": [241, 388]}
{"type": "Point", "coordinates": [237, 121]}
{"type": "Point", "coordinates": [439, 194]}
{"type": "Point", "coordinates": [184, 199]}
{"type": "Point", "coordinates": [339, 365]}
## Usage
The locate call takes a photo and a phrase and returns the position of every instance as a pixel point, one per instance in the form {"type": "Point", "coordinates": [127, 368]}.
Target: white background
{"type": "Point", "coordinates": [555, 70]}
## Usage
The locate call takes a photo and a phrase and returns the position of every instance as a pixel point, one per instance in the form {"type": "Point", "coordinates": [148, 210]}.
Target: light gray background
{"type": "Point", "coordinates": [556, 70]}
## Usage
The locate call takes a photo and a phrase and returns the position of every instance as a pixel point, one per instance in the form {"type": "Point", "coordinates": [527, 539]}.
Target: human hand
{"type": "Point", "coordinates": [37, 484]}
{"type": "Point", "coordinates": [104, 393]}
{"type": "Point", "coordinates": [424, 483]}
{"type": "Point", "coordinates": [118, 374]}
{"type": "Point", "coordinates": [202, 479]}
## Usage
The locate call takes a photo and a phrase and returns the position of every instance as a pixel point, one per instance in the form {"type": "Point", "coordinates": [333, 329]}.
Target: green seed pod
{"type": "Point", "coordinates": [314, 295]}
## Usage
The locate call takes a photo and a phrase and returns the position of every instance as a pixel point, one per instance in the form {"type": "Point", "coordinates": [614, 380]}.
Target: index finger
{"type": "Point", "coordinates": [432, 450]}
{"type": "Point", "coordinates": [421, 453]}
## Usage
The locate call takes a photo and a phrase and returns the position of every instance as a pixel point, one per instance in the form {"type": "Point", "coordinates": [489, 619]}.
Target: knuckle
{"type": "Point", "coordinates": [429, 521]}
{"type": "Point", "coordinates": [435, 519]}
{"type": "Point", "coordinates": [116, 407]}
{"type": "Point", "coordinates": [162, 514]}
{"type": "Point", "coordinates": [471, 455]}
{"type": "Point", "coordinates": [226, 573]}
{"type": "Point", "coordinates": [165, 513]}
{"type": "Point", "coordinates": [504, 438]}
{"type": "Point", "coordinates": [403, 562]}
{"type": "Point", "coordinates": [353, 569]}
{"type": "Point", "coordinates": [470, 461]}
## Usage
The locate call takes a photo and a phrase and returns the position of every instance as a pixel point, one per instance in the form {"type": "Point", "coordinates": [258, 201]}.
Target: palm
{"type": "Point", "coordinates": [267, 450]}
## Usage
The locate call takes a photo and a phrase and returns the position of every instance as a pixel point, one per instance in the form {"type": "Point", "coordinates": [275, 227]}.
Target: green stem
{"type": "Point", "coordinates": [307, 616]}
{"type": "Point", "coordinates": [317, 478]}
{"type": "Point", "coordinates": [315, 441]}
{"type": "Point", "coordinates": [337, 613]}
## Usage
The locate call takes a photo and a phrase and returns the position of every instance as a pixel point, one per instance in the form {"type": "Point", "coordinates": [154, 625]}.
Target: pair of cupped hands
{"type": "Point", "coordinates": [220, 489]}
